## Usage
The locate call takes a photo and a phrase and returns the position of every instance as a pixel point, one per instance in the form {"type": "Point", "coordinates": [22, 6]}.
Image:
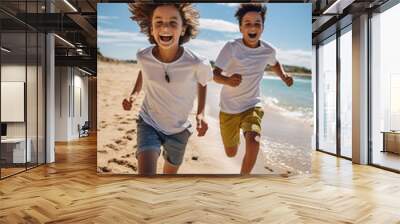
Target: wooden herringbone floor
{"type": "Point", "coordinates": [70, 191]}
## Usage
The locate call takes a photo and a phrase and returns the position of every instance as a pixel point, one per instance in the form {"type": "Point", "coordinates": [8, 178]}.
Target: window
{"type": "Point", "coordinates": [385, 88]}
{"type": "Point", "coordinates": [346, 93]}
{"type": "Point", "coordinates": [22, 76]}
{"type": "Point", "coordinates": [327, 95]}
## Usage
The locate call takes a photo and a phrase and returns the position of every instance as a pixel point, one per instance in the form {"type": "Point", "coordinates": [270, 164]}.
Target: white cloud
{"type": "Point", "coordinates": [295, 57]}
{"type": "Point", "coordinates": [108, 20]}
{"type": "Point", "coordinates": [218, 25]}
{"type": "Point", "coordinates": [211, 49]}
{"type": "Point", "coordinates": [108, 36]}
{"type": "Point", "coordinates": [206, 48]}
{"type": "Point", "coordinates": [117, 38]}
{"type": "Point", "coordinates": [107, 17]}
{"type": "Point", "coordinates": [230, 4]}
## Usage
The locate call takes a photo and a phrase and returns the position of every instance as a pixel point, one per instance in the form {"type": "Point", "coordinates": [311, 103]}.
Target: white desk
{"type": "Point", "coordinates": [18, 150]}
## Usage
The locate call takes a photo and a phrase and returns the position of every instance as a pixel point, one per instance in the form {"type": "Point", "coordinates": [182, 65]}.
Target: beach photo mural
{"type": "Point", "coordinates": [204, 88]}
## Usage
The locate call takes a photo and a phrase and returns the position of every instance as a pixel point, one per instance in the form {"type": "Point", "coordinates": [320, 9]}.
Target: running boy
{"type": "Point", "coordinates": [240, 67]}
{"type": "Point", "coordinates": [170, 75]}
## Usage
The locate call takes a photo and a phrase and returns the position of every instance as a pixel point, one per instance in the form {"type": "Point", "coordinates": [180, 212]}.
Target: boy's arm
{"type": "Point", "coordinates": [127, 102]}
{"type": "Point", "coordinates": [218, 77]}
{"type": "Point", "coordinates": [202, 125]}
{"type": "Point", "coordinates": [233, 81]}
{"type": "Point", "coordinates": [138, 85]}
{"type": "Point", "coordinates": [278, 69]}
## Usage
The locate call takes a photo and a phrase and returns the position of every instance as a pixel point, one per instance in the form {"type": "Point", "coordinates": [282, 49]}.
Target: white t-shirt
{"type": "Point", "coordinates": [166, 106]}
{"type": "Point", "coordinates": [235, 57]}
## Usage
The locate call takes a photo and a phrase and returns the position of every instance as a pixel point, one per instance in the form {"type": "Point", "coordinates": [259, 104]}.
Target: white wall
{"type": "Point", "coordinates": [67, 117]}
{"type": "Point", "coordinates": [62, 81]}
{"type": "Point", "coordinates": [79, 117]}
{"type": "Point", "coordinates": [12, 73]}
{"type": "Point", "coordinates": [33, 126]}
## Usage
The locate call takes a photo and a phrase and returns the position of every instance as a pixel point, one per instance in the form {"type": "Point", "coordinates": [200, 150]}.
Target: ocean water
{"type": "Point", "coordinates": [286, 143]}
{"type": "Point", "coordinates": [296, 101]}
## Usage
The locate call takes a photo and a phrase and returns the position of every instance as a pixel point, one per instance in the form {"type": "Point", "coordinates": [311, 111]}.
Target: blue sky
{"type": "Point", "coordinates": [287, 27]}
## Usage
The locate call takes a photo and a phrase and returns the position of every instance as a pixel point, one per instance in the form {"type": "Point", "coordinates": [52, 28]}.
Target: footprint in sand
{"type": "Point", "coordinates": [102, 151]}
{"type": "Point", "coordinates": [103, 126]}
{"type": "Point", "coordinates": [124, 122]}
{"type": "Point", "coordinates": [120, 129]}
{"type": "Point", "coordinates": [131, 131]}
{"type": "Point", "coordinates": [128, 155]}
{"type": "Point", "coordinates": [120, 142]}
{"type": "Point", "coordinates": [104, 169]}
{"type": "Point", "coordinates": [128, 137]}
{"type": "Point", "coordinates": [269, 169]}
{"type": "Point", "coordinates": [123, 163]}
{"type": "Point", "coordinates": [112, 146]}
{"type": "Point", "coordinates": [118, 116]}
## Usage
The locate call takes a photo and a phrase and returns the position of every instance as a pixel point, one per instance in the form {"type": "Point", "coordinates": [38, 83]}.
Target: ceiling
{"type": "Point", "coordinates": [331, 15]}
{"type": "Point", "coordinates": [74, 22]}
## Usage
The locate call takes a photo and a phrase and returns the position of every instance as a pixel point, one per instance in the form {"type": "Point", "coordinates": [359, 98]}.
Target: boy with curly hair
{"type": "Point", "coordinates": [240, 67]}
{"type": "Point", "coordinates": [170, 75]}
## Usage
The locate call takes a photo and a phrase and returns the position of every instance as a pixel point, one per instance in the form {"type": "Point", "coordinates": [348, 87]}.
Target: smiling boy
{"type": "Point", "coordinates": [240, 67]}
{"type": "Point", "coordinates": [170, 75]}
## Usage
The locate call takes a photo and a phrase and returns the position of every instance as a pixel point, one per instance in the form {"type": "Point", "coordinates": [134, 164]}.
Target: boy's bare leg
{"type": "Point", "coordinates": [169, 168]}
{"type": "Point", "coordinates": [250, 157]}
{"type": "Point", "coordinates": [231, 151]}
{"type": "Point", "coordinates": [148, 163]}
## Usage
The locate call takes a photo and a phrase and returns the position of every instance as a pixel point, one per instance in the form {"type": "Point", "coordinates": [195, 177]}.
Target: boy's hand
{"type": "Point", "coordinates": [234, 80]}
{"type": "Point", "coordinates": [202, 125]}
{"type": "Point", "coordinates": [288, 80]}
{"type": "Point", "coordinates": [127, 103]}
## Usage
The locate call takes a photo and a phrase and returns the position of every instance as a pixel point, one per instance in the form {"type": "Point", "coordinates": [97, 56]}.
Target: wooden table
{"type": "Point", "coordinates": [391, 141]}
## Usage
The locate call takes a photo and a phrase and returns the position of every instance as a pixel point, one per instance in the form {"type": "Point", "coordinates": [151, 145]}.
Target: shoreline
{"type": "Point", "coordinates": [294, 74]}
{"type": "Point", "coordinates": [133, 62]}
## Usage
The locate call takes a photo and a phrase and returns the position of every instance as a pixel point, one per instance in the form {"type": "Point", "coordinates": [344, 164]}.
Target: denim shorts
{"type": "Point", "coordinates": [150, 139]}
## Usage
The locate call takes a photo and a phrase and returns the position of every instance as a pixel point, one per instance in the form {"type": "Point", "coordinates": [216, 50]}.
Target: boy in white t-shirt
{"type": "Point", "coordinates": [240, 67]}
{"type": "Point", "coordinates": [170, 75]}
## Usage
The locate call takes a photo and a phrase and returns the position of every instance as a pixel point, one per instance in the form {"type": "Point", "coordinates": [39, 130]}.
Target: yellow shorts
{"type": "Point", "coordinates": [230, 125]}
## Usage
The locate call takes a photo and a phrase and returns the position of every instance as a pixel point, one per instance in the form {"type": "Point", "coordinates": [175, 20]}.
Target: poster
{"type": "Point", "coordinates": [273, 111]}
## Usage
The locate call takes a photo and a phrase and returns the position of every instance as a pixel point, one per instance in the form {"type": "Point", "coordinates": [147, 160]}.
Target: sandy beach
{"type": "Point", "coordinates": [285, 147]}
